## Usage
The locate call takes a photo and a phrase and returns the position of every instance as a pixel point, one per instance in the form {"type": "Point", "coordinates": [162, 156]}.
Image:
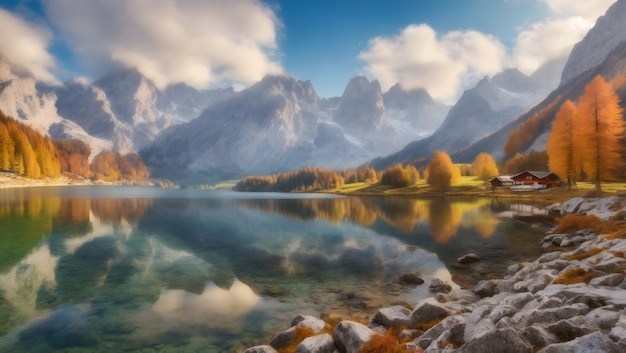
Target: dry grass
{"type": "Point", "coordinates": [618, 234]}
{"type": "Point", "coordinates": [299, 335]}
{"type": "Point", "coordinates": [586, 254]}
{"type": "Point", "coordinates": [387, 343]}
{"type": "Point", "coordinates": [573, 276]}
{"type": "Point", "coordinates": [574, 222]}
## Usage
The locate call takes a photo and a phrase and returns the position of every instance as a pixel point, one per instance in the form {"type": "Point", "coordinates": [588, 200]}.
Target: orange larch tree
{"type": "Point", "coordinates": [563, 145]}
{"type": "Point", "coordinates": [441, 172]}
{"type": "Point", "coordinates": [484, 167]}
{"type": "Point", "coordinates": [601, 127]}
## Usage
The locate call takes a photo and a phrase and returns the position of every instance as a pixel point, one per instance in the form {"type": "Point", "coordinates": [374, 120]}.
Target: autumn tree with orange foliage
{"type": "Point", "coordinates": [529, 130]}
{"type": "Point", "coordinates": [530, 161]}
{"type": "Point", "coordinates": [441, 172]}
{"type": "Point", "coordinates": [601, 128]}
{"type": "Point", "coordinates": [485, 167]}
{"type": "Point", "coordinates": [400, 176]}
{"type": "Point", "coordinates": [563, 149]}
{"type": "Point", "coordinates": [112, 166]}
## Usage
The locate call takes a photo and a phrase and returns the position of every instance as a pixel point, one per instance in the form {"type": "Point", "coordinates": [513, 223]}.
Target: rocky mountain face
{"type": "Point", "coordinates": [281, 124]}
{"type": "Point", "coordinates": [601, 52]}
{"type": "Point", "coordinates": [607, 35]}
{"type": "Point", "coordinates": [24, 99]}
{"type": "Point", "coordinates": [123, 111]}
{"type": "Point", "coordinates": [481, 110]}
{"type": "Point", "coordinates": [128, 109]}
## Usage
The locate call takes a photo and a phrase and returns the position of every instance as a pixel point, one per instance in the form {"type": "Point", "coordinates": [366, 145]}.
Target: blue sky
{"type": "Point", "coordinates": [322, 39]}
{"type": "Point", "coordinates": [444, 46]}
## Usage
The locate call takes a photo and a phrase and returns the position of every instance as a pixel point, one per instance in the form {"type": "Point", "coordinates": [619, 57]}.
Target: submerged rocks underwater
{"type": "Point", "coordinates": [571, 299]}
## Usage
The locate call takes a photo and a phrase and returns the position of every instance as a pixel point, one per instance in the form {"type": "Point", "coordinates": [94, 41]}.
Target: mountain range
{"type": "Point", "coordinates": [280, 123]}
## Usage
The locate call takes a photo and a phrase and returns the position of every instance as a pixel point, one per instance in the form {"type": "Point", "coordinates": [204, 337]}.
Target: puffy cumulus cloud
{"type": "Point", "coordinates": [419, 58]}
{"type": "Point", "coordinates": [590, 9]}
{"type": "Point", "coordinates": [554, 37]}
{"type": "Point", "coordinates": [546, 41]}
{"type": "Point", "coordinates": [198, 42]}
{"type": "Point", "coordinates": [25, 45]}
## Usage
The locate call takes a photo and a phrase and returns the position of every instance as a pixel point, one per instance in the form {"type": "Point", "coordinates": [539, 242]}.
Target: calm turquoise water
{"type": "Point", "coordinates": [109, 269]}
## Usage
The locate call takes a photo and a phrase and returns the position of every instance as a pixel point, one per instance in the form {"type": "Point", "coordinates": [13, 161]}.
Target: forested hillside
{"type": "Point", "coordinates": [25, 151]}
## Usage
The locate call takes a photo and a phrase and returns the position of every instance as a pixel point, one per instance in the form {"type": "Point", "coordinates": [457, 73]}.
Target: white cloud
{"type": "Point", "coordinates": [555, 37]}
{"type": "Point", "coordinates": [194, 41]}
{"type": "Point", "coordinates": [24, 45]}
{"type": "Point", "coordinates": [547, 40]}
{"type": "Point", "coordinates": [590, 9]}
{"type": "Point", "coordinates": [419, 58]}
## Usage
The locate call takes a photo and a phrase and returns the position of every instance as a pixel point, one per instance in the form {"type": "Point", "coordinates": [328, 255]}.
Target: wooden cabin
{"type": "Point", "coordinates": [501, 181]}
{"type": "Point", "coordinates": [536, 178]}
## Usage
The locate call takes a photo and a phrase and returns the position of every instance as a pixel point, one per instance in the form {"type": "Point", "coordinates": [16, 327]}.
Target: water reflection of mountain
{"type": "Point", "coordinates": [26, 219]}
{"type": "Point", "coordinates": [449, 227]}
{"type": "Point", "coordinates": [131, 273]}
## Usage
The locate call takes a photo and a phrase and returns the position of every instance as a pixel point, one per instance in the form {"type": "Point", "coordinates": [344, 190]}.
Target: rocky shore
{"type": "Point", "coordinates": [571, 299]}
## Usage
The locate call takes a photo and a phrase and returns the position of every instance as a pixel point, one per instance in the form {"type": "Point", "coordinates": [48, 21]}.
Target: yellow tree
{"type": "Point", "coordinates": [563, 149]}
{"type": "Point", "coordinates": [601, 127]}
{"type": "Point", "coordinates": [484, 167]}
{"type": "Point", "coordinates": [441, 172]}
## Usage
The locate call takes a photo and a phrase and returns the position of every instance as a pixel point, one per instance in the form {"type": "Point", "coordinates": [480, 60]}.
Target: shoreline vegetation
{"type": "Point", "coordinates": [473, 187]}
{"type": "Point", "coordinates": [571, 296]}
{"type": "Point", "coordinates": [11, 180]}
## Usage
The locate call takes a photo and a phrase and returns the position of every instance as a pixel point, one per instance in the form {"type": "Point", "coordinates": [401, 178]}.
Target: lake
{"type": "Point", "coordinates": [102, 269]}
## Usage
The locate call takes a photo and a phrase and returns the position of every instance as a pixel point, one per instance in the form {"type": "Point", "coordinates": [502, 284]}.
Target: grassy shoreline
{"type": "Point", "coordinates": [472, 187]}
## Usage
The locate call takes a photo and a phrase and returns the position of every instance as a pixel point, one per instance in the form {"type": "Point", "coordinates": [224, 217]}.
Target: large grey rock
{"type": "Point", "coordinates": [571, 205]}
{"type": "Point", "coordinates": [452, 335]}
{"type": "Point", "coordinates": [595, 342]}
{"type": "Point", "coordinates": [395, 316]}
{"type": "Point", "coordinates": [428, 310]}
{"type": "Point", "coordinates": [611, 280]}
{"type": "Point", "coordinates": [439, 286]}
{"type": "Point", "coordinates": [602, 318]}
{"type": "Point", "coordinates": [501, 311]}
{"type": "Point", "coordinates": [567, 330]}
{"type": "Point", "coordinates": [610, 266]}
{"type": "Point", "coordinates": [603, 208]}
{"type": "Point", "coordinates": [350, 336]}
{"type": "Point", "coordinates": [284, 338]}
{"type": "Point", "coordinates": [486, 288]}
{"type": "Point", "coordinates": [450, 324]}
{"type": "Point", "coordinates": [311, 322]}
{"type": "Point", "coordinates": [498, 341]}
{"type": "Point", "coordinates": [323, 343]}
{"type": "Point", "coordinates": [538, 336]}
{"type": "Point", "coordinates": [261, 349]}
{"type": "Point", "coordinates": [478, 323]}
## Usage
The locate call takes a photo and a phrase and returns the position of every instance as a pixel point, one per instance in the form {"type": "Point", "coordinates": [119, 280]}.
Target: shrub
{"type": "Point", "coordinates": [586, 254]}
{"type": "Point", "coordinates": [574, 222]}
{"type": "Point", "coordinates": [573, 276]}
{"type": "Point", "coordinates": [299, 335]}
{"type": "Point", "coordinates": [386, 343]}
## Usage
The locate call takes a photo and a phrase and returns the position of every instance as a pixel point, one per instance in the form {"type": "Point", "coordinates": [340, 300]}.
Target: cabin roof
{"type": "Point", "coordinates": [536, 174]}
{"type": "Point", "coordinates": [502, 178]}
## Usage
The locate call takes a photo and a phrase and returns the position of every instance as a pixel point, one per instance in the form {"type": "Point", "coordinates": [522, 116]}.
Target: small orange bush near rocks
{"type": "Point", "coordinates": [586, 254]}
{"type": "Point", "coordinates": [573, 276]}
{"type": "Point", "coordinates": [573, 222]}
{"type": "Point", "coordinates": [299, 335]}
{"type": "Point", "coordinates": [387, 343]}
